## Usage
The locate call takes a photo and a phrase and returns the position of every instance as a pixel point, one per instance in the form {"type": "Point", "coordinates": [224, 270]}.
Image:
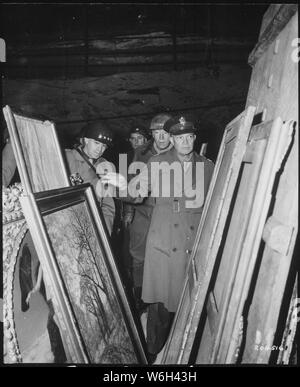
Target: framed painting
{"type": "Point", "coordinates": [31, 334]}
{"type": "Point", "coordinates": [37, 151]}
{"type": "Point", "coordinates": [78, 265]}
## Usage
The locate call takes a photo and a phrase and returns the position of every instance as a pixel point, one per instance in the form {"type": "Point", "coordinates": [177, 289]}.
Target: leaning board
{"type": "Point", "coordinates": [266, 147]}
{"type": "Point", "coordinates": [209, 234]}
{"type": "Point", "coordinates": [37, 151]}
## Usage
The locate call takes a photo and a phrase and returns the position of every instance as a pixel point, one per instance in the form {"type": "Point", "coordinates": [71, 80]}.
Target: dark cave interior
{"type": "Point", "coordinates": [123, 63]}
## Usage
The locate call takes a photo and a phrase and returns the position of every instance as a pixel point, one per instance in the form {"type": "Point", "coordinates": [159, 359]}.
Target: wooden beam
{"type": "Point", "coordinates": [275, 262]}
{"type": "Point", "coordinates": [272, 30]}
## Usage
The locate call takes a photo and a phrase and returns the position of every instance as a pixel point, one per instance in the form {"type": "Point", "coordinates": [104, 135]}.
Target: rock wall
{"type": "Point", "coordinates": [126, 99]}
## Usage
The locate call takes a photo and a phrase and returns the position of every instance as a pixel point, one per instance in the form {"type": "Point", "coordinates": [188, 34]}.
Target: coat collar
{"type": "Point", "coordinates": [157, 151]}
{"type": "Point", "coordinates": [78, 156]}
{"type": "Point", "coordinates": [172, 155]}
{"type": "Point", "coordinates": [149, 147]}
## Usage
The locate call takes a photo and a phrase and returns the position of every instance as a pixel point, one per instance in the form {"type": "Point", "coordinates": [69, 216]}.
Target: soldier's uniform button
{"type": "Point", "coordinates": [174, 249]}
{"type": "Point", "coordinates": [188, 251]}
{"type": "Point", "coordinates": [192, 227]}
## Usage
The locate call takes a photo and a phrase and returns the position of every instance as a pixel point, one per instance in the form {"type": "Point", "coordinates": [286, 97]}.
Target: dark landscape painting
{"type": "Point", "coordinates": [90, 288]}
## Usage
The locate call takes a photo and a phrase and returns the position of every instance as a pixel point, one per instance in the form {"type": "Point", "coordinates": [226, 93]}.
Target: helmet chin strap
{"type": "Point", "coordinates": [86, 141]}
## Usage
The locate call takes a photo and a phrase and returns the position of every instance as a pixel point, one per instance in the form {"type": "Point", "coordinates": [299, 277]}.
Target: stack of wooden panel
{"type": "Point", "coordinates": [238, 303]}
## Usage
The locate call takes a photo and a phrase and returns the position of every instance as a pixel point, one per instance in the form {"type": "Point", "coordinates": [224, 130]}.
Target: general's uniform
{"type": "Point", "coordinates": [172, 230]}
{"type": "Point", "coordinates": [170, 239]}
{"type": "Point", "coordinates": [77, 164]}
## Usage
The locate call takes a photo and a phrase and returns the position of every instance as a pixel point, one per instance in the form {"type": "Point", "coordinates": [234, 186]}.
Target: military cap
{"type": "Point", "coordinates": [159, 120]}
{"type": "Point", "coordinates": [98, 131]}
{"type": "Point", "coordinates": [179, 125]}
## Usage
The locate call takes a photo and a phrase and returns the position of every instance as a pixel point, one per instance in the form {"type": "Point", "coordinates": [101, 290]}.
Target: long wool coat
{"type": "Point", "coordinates": [172, 231]}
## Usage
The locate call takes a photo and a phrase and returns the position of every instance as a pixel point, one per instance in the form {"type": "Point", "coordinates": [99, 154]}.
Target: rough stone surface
{"type": "Point", "coordinates": [127, 99]}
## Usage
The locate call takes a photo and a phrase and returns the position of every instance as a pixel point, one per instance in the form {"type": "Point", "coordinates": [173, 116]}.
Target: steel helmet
{"type": "Point", "coordinates": [99, 132]}
{"type": "Point", "coordinates": [159, 120]}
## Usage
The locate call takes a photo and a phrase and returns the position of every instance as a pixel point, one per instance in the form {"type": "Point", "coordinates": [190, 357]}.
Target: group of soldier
{"type": "Point", "coordinates": [158, 229]}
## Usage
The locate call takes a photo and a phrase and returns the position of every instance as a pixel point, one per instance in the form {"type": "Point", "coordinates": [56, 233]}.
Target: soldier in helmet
{"type": "Point", "coordinates": [138, 136]}
{"type": "Point", "coordinates": [86, 159]}
{"type": "Point", "coordinates": [137, 217]}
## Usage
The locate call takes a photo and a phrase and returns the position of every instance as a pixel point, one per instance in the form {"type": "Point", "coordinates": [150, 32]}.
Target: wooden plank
{"type": "Point", "coordinates": [277, 235]}
{"type": "Point", "coordinates": [280, 100]}
{"type": "Point", "coordinates": [238, 223]}
{"type": "Point", "coordinates": [277, 146]}
{"type": "Point", "coordinates": [212, 312]}
{"type": "Point", "coordinates": [237, 230]}
{"type": "Point", "coordinates": [276, 24]}
{"type": "Point", "coordinates": [270, 285]}
{"type": "Point", "coordinates": [290, 328]}
{"type": "Point", "coordinates": [17, 149]}
{"type": "Point", "coordinates": [235, 271]}
{"type": "Point", "coordinates": [259, 132]}
{"type": "Point", "coordinates": [208, 237]}
{"type": "Point", "coordinates": [268, 17]}
{"type": "Point", "coordinates": [206, 342]}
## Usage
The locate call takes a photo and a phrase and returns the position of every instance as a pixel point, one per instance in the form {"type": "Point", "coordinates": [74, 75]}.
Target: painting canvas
{"type": "Point", "coordinates": [37, 152]}
{"type": "Point", "coordinates": [87, 280]}
{"type": "Point", "coordinates": [83, 264]}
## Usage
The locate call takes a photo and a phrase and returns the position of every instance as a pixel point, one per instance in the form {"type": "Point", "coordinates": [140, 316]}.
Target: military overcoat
{"type": "Point", "coordinates": [138, 230]}
{"type": "Point", "coordinates": [172, 229]}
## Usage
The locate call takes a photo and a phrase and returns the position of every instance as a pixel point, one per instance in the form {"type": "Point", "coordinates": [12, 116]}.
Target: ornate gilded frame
{"type": "Point", "coordinates": [14, 230]}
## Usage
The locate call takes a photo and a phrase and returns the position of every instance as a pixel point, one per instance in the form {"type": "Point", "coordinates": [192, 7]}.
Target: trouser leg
{"type": "Point", "coordinates": [139, 303]}
{"type": "Point", "coordinates": [158, 326]}
{"type": "Point", "coordinates": [137, 271]}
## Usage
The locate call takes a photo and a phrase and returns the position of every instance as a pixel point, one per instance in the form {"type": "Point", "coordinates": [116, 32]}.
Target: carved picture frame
{"type": "Point", "coordinates": [14, 232]}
